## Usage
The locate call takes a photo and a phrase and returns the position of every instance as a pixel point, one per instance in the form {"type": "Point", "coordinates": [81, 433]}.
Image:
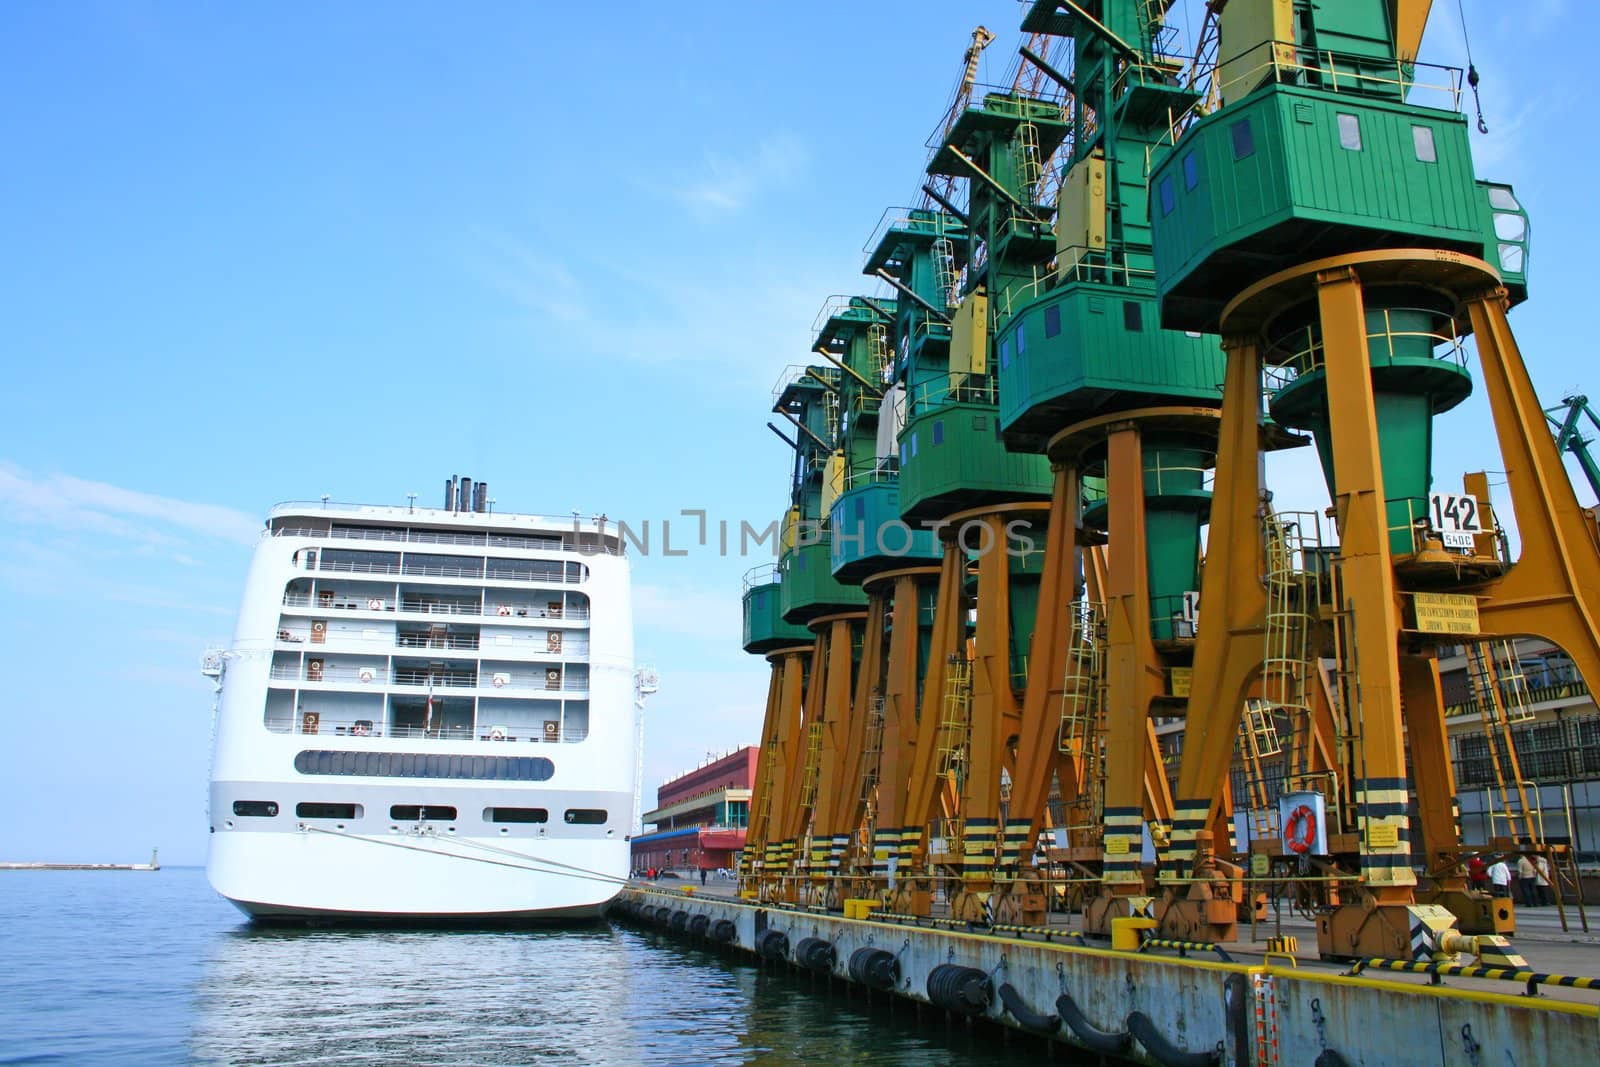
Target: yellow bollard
{"type": "Point", "coordinates": [1125, 932]}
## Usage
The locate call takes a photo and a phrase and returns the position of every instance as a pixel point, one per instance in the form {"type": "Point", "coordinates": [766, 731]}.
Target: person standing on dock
{"type": "Point", "coordinates": [1525, 882]}
{"type": "Point", "coordinates": [1541, 879]}
{"type": "Point", "coordinates": [1499, 879]}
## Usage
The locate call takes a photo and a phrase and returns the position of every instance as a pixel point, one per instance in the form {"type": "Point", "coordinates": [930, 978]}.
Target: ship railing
{"type": "Point", "coordinates": [928, 222]}
{"type": "Point", "coordinates": [468, 609]}
{"type": "Point", "coordinates": [391, 535]}
{"type": "Point", "coordinates": [567, 681]}
{"type": "Point", "coordinates": [498, 733]}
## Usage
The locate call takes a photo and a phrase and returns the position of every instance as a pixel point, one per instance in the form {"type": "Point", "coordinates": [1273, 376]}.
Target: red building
{"type": "Point", "coordinates": [700, 817]}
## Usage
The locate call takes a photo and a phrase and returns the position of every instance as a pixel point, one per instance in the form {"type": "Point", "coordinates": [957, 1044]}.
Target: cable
{"type": "Point", "coordinates": [593, 876]}
{"type": "Point", "coordinates": [1472, 70]}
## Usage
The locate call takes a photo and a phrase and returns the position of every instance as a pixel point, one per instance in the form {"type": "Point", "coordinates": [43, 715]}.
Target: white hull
{"type": "Point", "coordinates": [426, 716]}
{"type": "Point", "coordinates": [358, 878]}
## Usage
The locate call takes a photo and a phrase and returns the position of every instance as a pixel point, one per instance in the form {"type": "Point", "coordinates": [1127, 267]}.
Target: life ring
{"type": "Point", "coordinates": [374, 604]}
{"type": "Point", "coordinates": [503, 610]}
{"type": "Point", "coordinates": [497, 733]}
{"type": "Point", "coordinates": [1300, 832]}
{"type": "Point", "coordinates": [319, 627]}
{"type": "Point", "coordinates": [366, 674]}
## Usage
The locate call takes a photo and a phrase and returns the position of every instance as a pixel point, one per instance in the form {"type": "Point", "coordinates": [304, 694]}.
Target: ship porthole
{"type": "Point", "coordinates": [230, 824]}
{"type": "Point", "coordinates": [504, 830]}
{"type": "Point", "coordinates": [611, 833]}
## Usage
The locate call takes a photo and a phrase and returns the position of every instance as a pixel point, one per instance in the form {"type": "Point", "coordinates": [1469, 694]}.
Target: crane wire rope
{"type": "Point", "coordinates": [1472, 69]}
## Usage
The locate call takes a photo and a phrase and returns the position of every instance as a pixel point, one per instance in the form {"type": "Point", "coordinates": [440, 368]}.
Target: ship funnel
{"type": "Point", "coordinates": [480, 497]}
{"type": "Point", "coordinates": [464, 500]}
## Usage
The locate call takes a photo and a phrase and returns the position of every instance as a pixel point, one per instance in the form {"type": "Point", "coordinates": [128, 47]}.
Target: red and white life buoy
{"type": "Point", "coordinates": [1300, 831]}
{"type": "Point", "coordinates": [374, 604]}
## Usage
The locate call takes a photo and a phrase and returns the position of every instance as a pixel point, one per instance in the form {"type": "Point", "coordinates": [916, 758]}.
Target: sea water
{"type": "Point", "coordinates": [100, 967]}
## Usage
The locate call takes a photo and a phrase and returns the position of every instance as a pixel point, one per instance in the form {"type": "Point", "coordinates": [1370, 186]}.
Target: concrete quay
{"type": "Point", "coordinates": [1155, 1006]}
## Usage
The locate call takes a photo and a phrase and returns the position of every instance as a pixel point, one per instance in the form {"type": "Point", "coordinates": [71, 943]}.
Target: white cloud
{"type": "Point", "coordinates": [731, 183]}
{"type": "Point", "coordinates": [61, 500]}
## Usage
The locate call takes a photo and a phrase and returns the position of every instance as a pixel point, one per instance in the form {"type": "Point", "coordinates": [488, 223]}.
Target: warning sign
{"type": "Point", "coordinates": [1446, 613]}
{"type": "Point", "coordinates": [1182, 679]}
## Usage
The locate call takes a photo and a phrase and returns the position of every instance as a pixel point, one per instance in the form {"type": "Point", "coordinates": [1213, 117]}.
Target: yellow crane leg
{"type": "Point", "coordinates": [1228, 646]}
{"type": "Point", "coordinates": [1554, 589]}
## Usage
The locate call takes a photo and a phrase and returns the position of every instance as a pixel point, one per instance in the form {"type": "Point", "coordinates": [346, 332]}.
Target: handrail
{"type": "Point", "coordinates": [414, 606]}
{"type": "Point", "coordinates": [572, 680]}
{"type": "Point", "coordinates": [1291, 363]}
{"type": "Point", "coordinates": [1327, 77]}
{"type": "Point", "coordinates": [376, 727]}
{"type": "Point", "coordinates": [1531, 978]}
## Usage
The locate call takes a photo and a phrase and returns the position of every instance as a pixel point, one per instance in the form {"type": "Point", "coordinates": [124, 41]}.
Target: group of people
{"type": "Point", "coordinates": [1532, 878]}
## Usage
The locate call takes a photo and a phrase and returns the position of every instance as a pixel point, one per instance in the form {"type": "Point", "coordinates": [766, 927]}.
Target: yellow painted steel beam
{"type": "Point", "coordinates": [1039, 756]}
{"type": "Point", "coordinates": [1229, 645]}
{"type": "Point", "coordinates": [1366, 581]}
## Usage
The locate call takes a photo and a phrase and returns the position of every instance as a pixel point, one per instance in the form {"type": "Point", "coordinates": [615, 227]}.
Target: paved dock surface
{"type": "Point", "coordinates": [1540, 939]}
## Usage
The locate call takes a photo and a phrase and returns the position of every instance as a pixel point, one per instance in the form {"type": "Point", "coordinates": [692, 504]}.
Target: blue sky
{"type": "Point", "coordinates": [255, 252]}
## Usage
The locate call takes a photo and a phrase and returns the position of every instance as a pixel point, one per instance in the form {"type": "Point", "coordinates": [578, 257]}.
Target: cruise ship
{"type": "Point", "coordinates": [427, 714]}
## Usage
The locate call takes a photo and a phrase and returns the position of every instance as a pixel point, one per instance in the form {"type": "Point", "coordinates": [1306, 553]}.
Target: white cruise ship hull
{"type": "Point", "coordinates": [426, 715]}
{"type": "Point", "coordinates": [356, 878]}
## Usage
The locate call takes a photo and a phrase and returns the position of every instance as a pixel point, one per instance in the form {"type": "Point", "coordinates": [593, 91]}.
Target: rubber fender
{"type": "Point", "coordinates": [964, 990]}
{"type": "Point", "coordinates": [815, 954]}
{"type": "Point", "coordinates": [1144, 1029]}
{"type": "Point", "coordinates": [875, 968]}
{"type": "Point", "coordinates": [1330, 1058]}
{"type": "Point", "coordinates": [698, 925]}
{"type": "Point", "coordinates": [772, 945]}
{"type": "Point", "coordinates": [1105, 1042]}
{"type": "Point", "coordinates": [722, 932]}
{"type": "Point", "coordinates": [679, 922]}
{"type": "Point", "coordinates": [1030, 1020]}
{"type": "Point", "coordinates": [647, 912]}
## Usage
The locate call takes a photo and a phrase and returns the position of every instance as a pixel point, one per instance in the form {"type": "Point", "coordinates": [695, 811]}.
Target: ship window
{"type": "Point", "coordinates": [516, 815]}
{"type": "Point", "coordinates": [313, 809]}
{"type": "Point", "coordinates": [1422, 141]}
{"type": "Point", "coordinates": [938, 432]}
{"type": "Point", "coordinates": [1244, 140]}
{"type": "Point", "coordinates": [424, 765]}
{"type": "Point", "coordinates": [586, 816]}
{"type": "Point", "coordinates": [1052, 320]}
{"type": "Point", "coordinates": [418, 812]}
{"type": "Point", "coordinates": [1168, 201]}
{"type": "Point", "coordinates": [264, 809]}
{"type": "Point", "coordinates": [1191, 172]}
{"type": "Point", "coordinates": [1350, 132]}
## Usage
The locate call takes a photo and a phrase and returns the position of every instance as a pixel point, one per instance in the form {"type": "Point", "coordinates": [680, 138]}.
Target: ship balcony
{"type": "Point", "coordinates": [558, 678]}
{"type": "Point", "coordinates": [808, 589]}
{"type": "Point", "coordinates": [505, 609]}
{"type": "Point", "coordinates": [764, 628]}
{"type": "Point", "coordinates": [868, 535]}
{"type": "Point", "coordinates": [571, 728]}
{"type": "Point", "coordinates": [433, 565]}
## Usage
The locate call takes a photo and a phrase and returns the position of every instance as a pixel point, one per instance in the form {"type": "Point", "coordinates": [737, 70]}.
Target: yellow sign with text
{"type": "Point", "coordinates": [1116, 845]}
{"type": "Point", "coordinates": [1182, 680]}
{"type": "Point", "coordinates": [1382, 835]}
{"type": "Point", "coordinates": [1446, 613]}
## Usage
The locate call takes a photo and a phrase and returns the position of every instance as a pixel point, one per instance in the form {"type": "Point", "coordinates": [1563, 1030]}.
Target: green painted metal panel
{"type": "Point", "coordinates": [952, 457]}
{"type": "Point", "coordinates": [866, 533]}
{"type": "Point", "coordinates": [809, 587]}
{"type": "Point", "coordinates": [1290, 174]}
{"type": "Point", "coordinates": [1088, 348]}
{"type": "Point", "coordinates": [764, 628]}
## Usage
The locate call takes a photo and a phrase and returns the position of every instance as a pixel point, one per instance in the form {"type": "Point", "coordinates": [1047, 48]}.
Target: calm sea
{"type": "Point", "coordinates": [134, 968]}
